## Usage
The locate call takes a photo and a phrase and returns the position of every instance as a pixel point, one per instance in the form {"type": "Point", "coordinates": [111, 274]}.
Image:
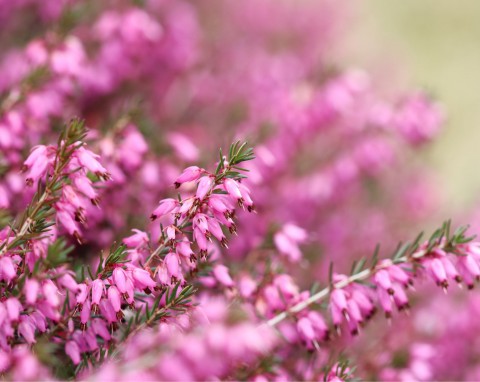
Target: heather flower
{"type": "Point", "coordinates": [221, 274]}
{"type": "Point", "coordinates": [204, 185]}
{"type": "Point", "coordinates": [418, 118]}
{"type": "Point", "coordinates": [136, 240]}
{"type": "Point", "coordinates": [90, 162]}
{"type": "Point", "coordinates": [142, 278]}
{"type": "Point", "coordinates": [288, 239]}
{"type": "Point", "coordinates": [165, 207]}
{"type": "Point", "coordinates": [189, 174]}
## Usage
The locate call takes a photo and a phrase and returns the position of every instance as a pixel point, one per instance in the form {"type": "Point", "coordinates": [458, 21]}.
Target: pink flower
{"type": "Point", "coordinates": [27, 329]}
{"type": "Point", "coordinates": [13, 308]}
{"type": "Point", "coordinates": [382, 279]}
{"type": "Point", "coordinates": [90, 162]}
{"type": "Point", "coordinates": [173, 266]}
{"type": "Point", "coordinates": [165, 207]}
{"type": "Point", "coordinates": [98, 289]}
{"type": "Point", "coordinates": [204, 185]}
{"type": "Point", "coordinates": [183, 249]}
{"type": "Point", "coordinates": [114, 298]}
{"type": "Point", "coordinates": [231, 186]}
{"type": "Point", "coordinates": [436, 270]}
{"type": "Point", "coordinates": [68, 282]}
{"type": "Point", "coordinates": [73, 351]}
{"type": "Point", "coordinates": [418, 118]}
{"type": "Point", "coordinates": [142, 278]}
{"type": "Point", "coordinates": [120, 280]}
{"type": "Point", "coordinates": [221, 274]}
{"type": "Point", "coordinates": [188, 175]}
{"type": "Point", "coordinates": [183, 146]}
{"type": "Point", "coordinates": [31, 289]}
{"type": "Point", "coordinates": [246, 286]}
{"type": "Point", "coordinates": [7, 269]}
{"type": "Point", "coordinates": [83, 291]}
{"type": "Point", "coordinates": [50, 292]}
{"type": "Point", "coordinates": [36, 164]}
{"type": "Point", "coordinates": [136, 240]}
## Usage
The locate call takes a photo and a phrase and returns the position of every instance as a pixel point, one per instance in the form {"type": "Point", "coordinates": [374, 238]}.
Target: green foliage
{"type": "Point", "coordinates": [57, 253]}
{"type": "Point", "coordinates": [174, 301]}
{"type": "Point", "coordinates": [440, 237]}
{"type": "Point", "coordinates": [238, 153]}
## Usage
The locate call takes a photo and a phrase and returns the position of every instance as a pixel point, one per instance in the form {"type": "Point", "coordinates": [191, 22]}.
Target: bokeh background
{"type": "Point", "coordinates": [434, 44]}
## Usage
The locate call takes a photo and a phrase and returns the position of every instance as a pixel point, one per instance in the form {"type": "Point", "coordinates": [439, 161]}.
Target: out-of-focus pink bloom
{"type": "Point", "coordinates": [287, 241]}
{"type": "Point", "coordinates": [418, 118]}
{"type": "Point", "coordinates": [138, 239]}
{"type": "Point", "coordinates": [27, 329]}
{"type": "Point", "coordinates": [221, 274]}
{"type": "Point", "coordinates": [13, 308]}
{"type": "Point", "coordinates": [31, 289]}
{"type": "Point", "coordinates": [72, 350]}
{"type": "Point", "coordinates": [7, 269]}
{"type": "Point", "coordinates": [50, 292]}
{"type": "Point", "coordinates": [183, 146]}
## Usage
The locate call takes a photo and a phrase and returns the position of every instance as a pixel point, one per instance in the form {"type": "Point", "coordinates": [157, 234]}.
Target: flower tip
{"type": "Point", "coordinates": [77, 236]}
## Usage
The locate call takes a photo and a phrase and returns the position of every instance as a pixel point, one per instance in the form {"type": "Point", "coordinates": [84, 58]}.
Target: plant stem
{"type": "Point", "coordinates": [362, 275]}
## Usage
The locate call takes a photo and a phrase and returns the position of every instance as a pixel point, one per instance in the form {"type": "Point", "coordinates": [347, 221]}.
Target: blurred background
{"type": "Point", "coordinates": [437, 44]}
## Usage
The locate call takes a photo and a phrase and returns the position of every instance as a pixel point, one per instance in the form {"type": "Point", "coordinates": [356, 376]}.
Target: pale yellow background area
{"type": "Point", "coordinates": [434, 44]}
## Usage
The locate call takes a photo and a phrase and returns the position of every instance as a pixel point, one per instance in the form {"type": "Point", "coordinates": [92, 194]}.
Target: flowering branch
{"type": "Point", "coordinates": [34, 221]}
{"type": "Point", "coordinates": [349, 299]}
{"type": "Point", "coordinates": [155, 283]}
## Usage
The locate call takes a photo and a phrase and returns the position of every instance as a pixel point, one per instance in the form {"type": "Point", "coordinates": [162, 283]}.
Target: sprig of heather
{"type": "Point", "coordinates": [446, 257]}
{"type": "Point", "coordinates": [140, 284]}
{"type": "Point", "coordinates": [67, 187]}
{"type": "Point", "coordinates": [35, 282]}
{"type": "Point", "coordinates": [62, 193]}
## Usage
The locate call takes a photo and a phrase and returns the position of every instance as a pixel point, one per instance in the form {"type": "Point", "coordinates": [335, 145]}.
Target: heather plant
{"type": "Point", "coordinates": [138, 242]}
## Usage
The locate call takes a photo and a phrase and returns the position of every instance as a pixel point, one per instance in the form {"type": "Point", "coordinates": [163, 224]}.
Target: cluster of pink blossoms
{"type": "Point", "coordinates": [135, 285]}
{"type": "Point", "coordinates": [201, 347]}
{"type": "Point", "coordinates": [71, 205]}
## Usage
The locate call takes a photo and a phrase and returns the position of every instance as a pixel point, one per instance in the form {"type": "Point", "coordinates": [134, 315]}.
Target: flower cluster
{"type": "Point", "coordinates": [199, 348]}
{"type": "Point", "coordinates": [136, 284]}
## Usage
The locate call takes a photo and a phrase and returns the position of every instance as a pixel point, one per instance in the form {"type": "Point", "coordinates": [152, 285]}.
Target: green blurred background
{"type": "Point", "coordinates": [437, 44]}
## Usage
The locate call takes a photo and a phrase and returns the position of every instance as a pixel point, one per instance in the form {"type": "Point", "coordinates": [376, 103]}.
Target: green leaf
{"type": "Point", "coordinates": [57, 253]}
